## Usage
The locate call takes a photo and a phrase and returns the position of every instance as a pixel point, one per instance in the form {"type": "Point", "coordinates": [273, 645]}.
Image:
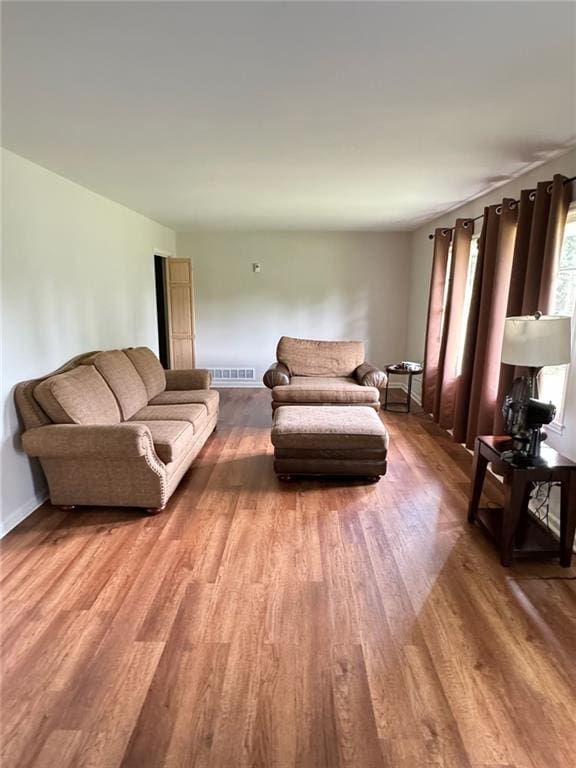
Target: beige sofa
{"type": "Point", "coordinates": [115, 429]}
{"type": "Point", "coordinates": [309, 372]}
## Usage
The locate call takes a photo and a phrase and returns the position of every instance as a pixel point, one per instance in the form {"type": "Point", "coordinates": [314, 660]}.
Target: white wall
{"type": "Point", "coordinates": [77, 274]}
{"type": "Point", "coordinates": [421, 266]}
{"type": "Point", "coordinates": [316, 285]}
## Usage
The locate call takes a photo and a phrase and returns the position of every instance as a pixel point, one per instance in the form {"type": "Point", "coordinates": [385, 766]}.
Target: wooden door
{"type": "Point", "coordinates": [180, 308]}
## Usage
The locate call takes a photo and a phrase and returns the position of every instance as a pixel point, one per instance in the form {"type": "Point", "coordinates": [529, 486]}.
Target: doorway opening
{"type": "Point", "coordinates": [175, 311]}
{"type": "Point", "coordinates": [161, 313]}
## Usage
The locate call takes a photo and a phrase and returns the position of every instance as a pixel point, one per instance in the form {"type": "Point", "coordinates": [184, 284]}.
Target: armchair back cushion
{"type": "Point", "coordinates": [307, 357]}
{"type": "Point", "coordinates": [149, 368]}
{"type": "Point", "coordinates": [79, 396]}
{"type": "Point", "coordinates": [124, 381]}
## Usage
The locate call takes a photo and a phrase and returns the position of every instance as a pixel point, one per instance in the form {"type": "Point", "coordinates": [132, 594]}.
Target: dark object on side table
{"type": "Point", "coordinates": [401, 369]}
{"type": "Point", "coordinates": [524, 417]}
{"type": "Point", "coordinates": [515, 530]}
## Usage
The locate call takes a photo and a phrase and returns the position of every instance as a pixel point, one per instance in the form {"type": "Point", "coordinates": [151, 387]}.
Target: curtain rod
{"type": "Point", "coordinates": [481, 216]}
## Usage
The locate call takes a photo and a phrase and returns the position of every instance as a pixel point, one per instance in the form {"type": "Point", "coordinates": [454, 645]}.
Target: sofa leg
{"type": "Point", "coordinates": [67, 507]}
{"type": "Point", "coordinates": [154, 510]}
{"type": "Point", "coordinates": [373, 478]}
{"type": "Point", "coordinates": [285, 478]}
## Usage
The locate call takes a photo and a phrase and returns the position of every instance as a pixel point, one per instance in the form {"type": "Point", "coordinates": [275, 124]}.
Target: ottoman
{"type": "Point", "coordinates": [329, 440]}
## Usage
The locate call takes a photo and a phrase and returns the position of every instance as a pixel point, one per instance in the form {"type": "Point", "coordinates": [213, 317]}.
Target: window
{"type": "Point", "coordinates": [467, 299]}
{"type": "Point", "coordinates": [553, 380]}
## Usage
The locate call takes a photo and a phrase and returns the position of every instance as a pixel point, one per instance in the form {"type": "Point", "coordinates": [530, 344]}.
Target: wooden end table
{"type": "Point", "coordinates": [400, 370]}
{"type": "Point", "coordinates": [517, 532]}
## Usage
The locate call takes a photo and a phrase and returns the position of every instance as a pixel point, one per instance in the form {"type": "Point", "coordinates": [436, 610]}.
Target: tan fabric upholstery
{"type": "Point", "coordinates": [79, 441]}
{"type": "Point", "coordinates": [28, 407]}
{"type": "Point", "coordinates": [328, 427]}
{"type": "Point", "coordinates": [108, 482]}
{"type": "Point", "coordinates": [277, 375]}
{"type": "Point", "coordinates": [324, 390]}
{"type": "Point", "coordinates": [176, 469]}
{"type": "Point", "coordinates": [190, 413]}
{"type": "Point", "coordinates": [195, 378]}
{"type": "Point", "coordinates": [149, 369]}
{"type": "Point", "coordinates": [208, 397]}
{"type": "Point", "coordinates": [30, 410]}
{"type": "Point", "coordinates": [312, 372]}
{"type": "Point", "coordinates": [171, 438]}
{"type": "Point", "coordinates": [123, 380]}
{"type": "Point", "coordinates": [93, 457]}
{"type": "Point", "coordinates": [307, 357]}
{"type": "Point", "coordinates": [79, 396]}
{"type": "Point", "coordinates": [369, 454]}
{"type": "Point", "coordinates": [333, 440]}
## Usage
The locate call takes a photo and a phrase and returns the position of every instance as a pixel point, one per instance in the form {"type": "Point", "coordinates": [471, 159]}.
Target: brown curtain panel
{"type": "Point", "coordinates": [541, 223]}
{"type": "Point", "coordinates": [442, 239]}
{"type": "Point", "coordinates": [518, 256]}
{"type": "Point", "coordinates": [477, 394]}
{"type": "Point", "coordinates": [560, 199]}
{"type": "Point", "coordinates": [447, 380]}
{"type": "Point", "coordinates": [465, 384]}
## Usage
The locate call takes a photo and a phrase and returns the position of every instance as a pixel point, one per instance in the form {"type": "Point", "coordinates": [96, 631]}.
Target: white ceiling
{"type": "Point", "coordinates": [289, 115]}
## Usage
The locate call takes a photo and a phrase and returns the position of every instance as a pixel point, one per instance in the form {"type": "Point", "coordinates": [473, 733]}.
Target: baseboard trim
{"type": "Point", "coordinates": [22, 512]}
{"type": "Point", "coordinates": [404, 387]}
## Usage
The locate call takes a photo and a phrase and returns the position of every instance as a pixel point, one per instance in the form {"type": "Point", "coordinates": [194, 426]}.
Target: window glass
{"type": "Point", "coordinates": [467, 299]}
{"type": "Point", "coordinates": [553, 379]}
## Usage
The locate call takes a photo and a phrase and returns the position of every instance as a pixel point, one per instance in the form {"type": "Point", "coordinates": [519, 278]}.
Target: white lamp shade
{"type": "Point", "coordinates": [536, 342]}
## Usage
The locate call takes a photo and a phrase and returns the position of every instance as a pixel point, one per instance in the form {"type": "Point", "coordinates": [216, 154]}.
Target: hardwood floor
{"type": "Point", "coordinates": [308, 624]}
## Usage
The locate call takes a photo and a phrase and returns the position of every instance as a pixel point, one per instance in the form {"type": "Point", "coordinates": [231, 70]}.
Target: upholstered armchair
{"type": "Point", "coordinates": [309, 372]}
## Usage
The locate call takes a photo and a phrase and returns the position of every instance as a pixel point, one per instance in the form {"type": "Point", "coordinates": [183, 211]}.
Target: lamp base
{"type": "Point", "coordinates": [526, 450]}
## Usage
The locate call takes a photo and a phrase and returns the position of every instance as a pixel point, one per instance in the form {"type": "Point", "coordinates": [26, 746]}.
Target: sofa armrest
{"type": "Point", "coordinates": [276, 376]}
{"type": "Point", "coordinates": [370, 376]}
{"type": "Point", "coordinates": [74, 441]}
{"type": "Point", "coordinates": [193, 378]}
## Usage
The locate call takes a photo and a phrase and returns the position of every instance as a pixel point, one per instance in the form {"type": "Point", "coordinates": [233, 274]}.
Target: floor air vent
{"type": "Point", "coordinates": [235, 375]}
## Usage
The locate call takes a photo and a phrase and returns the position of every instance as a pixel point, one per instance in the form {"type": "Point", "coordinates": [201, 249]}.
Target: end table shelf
{"type": "Point", "coordinates": [515, 530]}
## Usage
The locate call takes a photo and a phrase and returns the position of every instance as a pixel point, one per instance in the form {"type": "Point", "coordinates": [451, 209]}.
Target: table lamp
{"type": "Point", "coordinates": [532, 341]}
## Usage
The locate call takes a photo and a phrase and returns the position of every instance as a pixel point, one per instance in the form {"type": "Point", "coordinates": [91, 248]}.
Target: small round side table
{"type": "Point", "coordinates": [401, 370]}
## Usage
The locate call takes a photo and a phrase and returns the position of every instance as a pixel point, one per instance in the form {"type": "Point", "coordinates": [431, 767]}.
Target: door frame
{"type": "Point", "coordinates": [163, 306]}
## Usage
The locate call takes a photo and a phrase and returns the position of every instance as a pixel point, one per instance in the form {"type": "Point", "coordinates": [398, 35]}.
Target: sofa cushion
{"type": "Point", "coordinates": [149, 369]}
{"type": "Point", "coordinates": [309, 389]}
{"type": "Point", "coordinates": [191, 413]}
{"type": "Point", "coordinates": [123, 380]}
{"type": "Point", "coordinates": [330, 428]}
{"type": "Point", "coordinates": [307, 357]}
{"type": "Point", "coordinates": [79, 396]}
{"type": "Point", "coordinates": [208, 397]}
{"type": "Point", "coordinates": [171, 438]}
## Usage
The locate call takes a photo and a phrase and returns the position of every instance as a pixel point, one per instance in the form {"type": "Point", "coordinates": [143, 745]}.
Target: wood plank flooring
{"type": "Point", "coordinates": [310, 624]}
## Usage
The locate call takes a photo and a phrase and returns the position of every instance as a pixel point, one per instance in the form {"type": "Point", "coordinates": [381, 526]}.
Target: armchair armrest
{"type": "Point", "coordinates": [193, 378]}
{"type": "Point", "coordinates": [277, 375]}
{"type": "Point", "coordinates": [73, 441]}
{"type": "Point", "coordinates": [370, 376]}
